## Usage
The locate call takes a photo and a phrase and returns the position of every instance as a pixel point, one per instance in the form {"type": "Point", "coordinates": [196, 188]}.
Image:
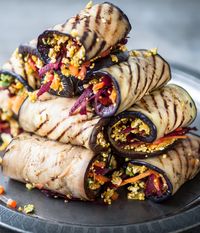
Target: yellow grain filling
{"type": "Point", "coordinates": [137, 127]}
{"type": "Point", "coordinates": [18, 92]}
{"type": "Point", "coordinates": [75, 52]}
{"type": "Point", "coordinates": [136, 190]}
{"type": "Point", "coordinates": [119, 135]}
{"type": "Point", "coordinates": [56, 84]}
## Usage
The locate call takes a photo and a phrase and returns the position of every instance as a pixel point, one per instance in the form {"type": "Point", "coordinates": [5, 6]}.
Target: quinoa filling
{"type": "Point", "coordinates": [143, 182]}
{"type": "Point", "coordinates": [32, 65]}
{"type": "Point", "coordinates": [125, 130]}
{"type": "Point", "coordinates": [16, 95]}
{"type": "Point", "coordinates": [100, 93]}
{"type": "Point", "coordinates": [100, 171]}
{"type": "Point", "coordinates": [67, 53]}
{"type": "Point", "coordinates": [101, 141]}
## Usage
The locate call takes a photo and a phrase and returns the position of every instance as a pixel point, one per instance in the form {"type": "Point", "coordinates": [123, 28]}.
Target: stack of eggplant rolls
{"type": "Point", "coordinates": [83, 118]}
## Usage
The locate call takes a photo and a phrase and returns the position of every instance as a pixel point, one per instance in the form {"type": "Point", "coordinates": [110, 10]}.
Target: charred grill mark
{"type": "Point", "coordinates": [54, 128]}
{"type": "Point", "coordinates": [110, 11]}
{"type": "Point", "coordinates": [87, 22]}
{"type": "Point", "coordinates": [174, 108]}
{"type": "Point", "coordinates": [179, 159]}
{"type": "Point", "coordinates": [93, 42]}
{"type": "Point", "coordinates": [85, 35]}
{"type": "Point", "coordinates": [102, 45]}
{"type": "Point", "coordinates": [175, 115]}
{"type": "Point", "coordinates": [161, 75]}
{"type": "Point", "coordinates": [145, 105]}
{"type": "Point", "coordinates": [98, 15]}
{"type": "Point", "coordinates": [40, 126]}
{"type": "Point", "coordinates": [120, 16]}
{"type": "Point", "coordinates": [172, 163]}
{"type": "Point", "coordinates": [116, 28]}
{"type": "Point", "coordinates": [82, 131]}
{"type": "Point", "coordinates": [187, 163]}
{"type": "Point", "coordinates": [153, 74]}
{"type": "Point", "coordinates": [130, 80]}
{"type": "Point", "coordinates": [42, 111]}
{"type": "Point", "coordinates": [74, 24]}
{"type": "Point", "coordinates": [86, 27]}
{"type": "Point", "coordinates": [160, 160]}
{"type": "Point", "coordinates": [65, 131]}
{"type": "Point", "coordinates": [156, 106]}
{"type": "Point", "coordinates": [192, 158]}
{"type": "Point", "coordinates": [138, 78]}
{"type": "Point", "coordinates": [121, 69]}
{"type": "Point", "coordinates": [183, 119]}
{"type": "Point", "coordinates": [166, 107]}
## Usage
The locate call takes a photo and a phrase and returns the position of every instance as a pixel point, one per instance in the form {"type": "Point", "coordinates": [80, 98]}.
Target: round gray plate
{"type": "Point", "coordinates": [53, 215]}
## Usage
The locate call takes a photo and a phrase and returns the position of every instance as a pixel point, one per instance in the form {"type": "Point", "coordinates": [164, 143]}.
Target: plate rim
{"type": "Point", "coordinates": [19, 222]}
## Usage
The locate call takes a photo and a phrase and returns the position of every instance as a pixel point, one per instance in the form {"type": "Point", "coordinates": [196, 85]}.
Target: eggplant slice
{"type": "Point", "coordinates": [94, 30]}
{"type": "Point", "coordinates": [70, 173]}
{"type": "Point", "coordinates": [118, 87]}
{"type": "Point", "coordinates": [166, 173]}
{"type": "Point", "coordinates": [25, 63]}
{"type": "Point", "coordinates": [12, 77]}
{"type": "Point", "coordinates": [79, 46]}
{"type": "Point", "coordinates": [70, 86]}
{"type": "Point", "coordinates": [49, 117]}
{"type": "Point", "coordinates": [146, 128]}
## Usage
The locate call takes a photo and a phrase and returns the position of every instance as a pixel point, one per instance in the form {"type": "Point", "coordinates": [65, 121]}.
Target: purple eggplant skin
{"type": "Point", "coordinates": [42, 48]}
{"type": "Point", "coordinates": [70, 86]}
{"type": "Point", "coordinates": [112, 109]}
{"type": "Point", "coordinates": [18, 77]}
{"type": "Point", "coordinates": [129, 153]}
{"type": "Point", "coordinates": [168, 193]}
{"type": "Point", "coordinates": [107, 62]}
{"type": "Point", "coordinates": [74, 87]}
{"type": "Point", "coordinates": [93, 194]}
{"type": "Point", "coordinates": [141, 155]}
{"type": "Point", "coordinates": [125, 114]}
{"type": "Point", "coordinates": [29, 50]}
{"type": "Point", "coordinates": [101, 126]}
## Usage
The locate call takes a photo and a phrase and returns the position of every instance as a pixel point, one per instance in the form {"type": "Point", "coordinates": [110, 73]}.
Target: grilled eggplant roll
{"type": "Point", "coordinates": [13, 91]}
{"type": "Point", "coordinates": [49, 117]}
{"type": "Point", "coordinates": [160, 177]}
{"type": "Point", "coordinates": [54, 82]}
{"type": "Point", "coordinates": [116, 88]}
{"type": "Point", "coordinates": [153, 124]}
{"type": "Point", "coordinates": [25, 63]}
{"type": "Point", "coordinates": [61, 168]}
{"type": "Point", "coordinates": [75, 46]}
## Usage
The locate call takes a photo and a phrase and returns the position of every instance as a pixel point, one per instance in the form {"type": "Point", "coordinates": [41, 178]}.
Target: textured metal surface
{"type": "Point", "coordinates": [180, 212]}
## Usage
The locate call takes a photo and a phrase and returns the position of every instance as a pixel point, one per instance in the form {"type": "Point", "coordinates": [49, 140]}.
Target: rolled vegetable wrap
{"type": "Point", "coordinates": [153, 124]}
{"type": "Point", "coordinates": [93, 33]}
{"type": "Point", "coordinates": [56, 83]}
{"type": "Point", "coordinates": [49, 117]}
{"type": "Point", "coordinates": [160, 177]}
{"type": "Point", "coordinates": [12, 94]}
{"type": "Point", "coordinates": [116, 88]}
{"type": "Point", "coordinates": [25, 62]}
{"type": "Point", "coordinates": [61, 168]}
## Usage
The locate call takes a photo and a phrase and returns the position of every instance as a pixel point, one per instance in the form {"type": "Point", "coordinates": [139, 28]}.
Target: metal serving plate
{"type": "Point", "coordinates": [182, 211]}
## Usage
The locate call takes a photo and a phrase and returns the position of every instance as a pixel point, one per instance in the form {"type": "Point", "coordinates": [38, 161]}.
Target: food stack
{"type": "Point", "coordinates": [88, 117]}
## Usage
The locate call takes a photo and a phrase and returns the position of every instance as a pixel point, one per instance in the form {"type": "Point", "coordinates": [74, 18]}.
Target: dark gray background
{"type": "Point", "coordinates": [171, 25]}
